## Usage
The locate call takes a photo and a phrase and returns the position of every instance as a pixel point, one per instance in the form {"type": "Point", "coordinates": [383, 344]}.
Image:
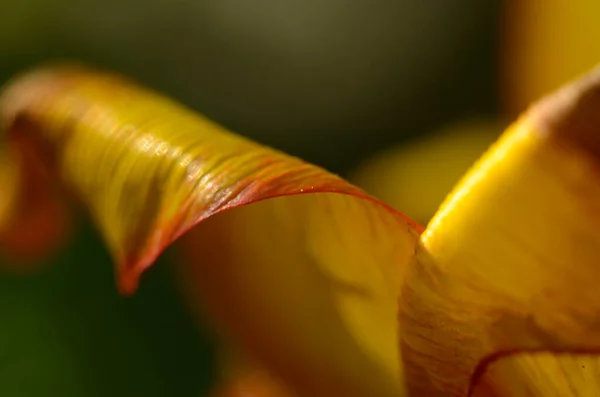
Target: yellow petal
{"type": "Point", "coordinates": [510, 262]}
{"type": "Point", "coordinates": [431, 166]}
{"type": "Point", "coordinates": [546, 374]}
{"type": "Point", "coordinates": [306, 283]}
{"type": "Point", "coordinates": [546, 43]}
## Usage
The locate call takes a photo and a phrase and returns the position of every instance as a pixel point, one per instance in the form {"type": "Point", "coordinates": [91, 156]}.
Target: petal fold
{"type": "Point", "coordinates": [300, 268]}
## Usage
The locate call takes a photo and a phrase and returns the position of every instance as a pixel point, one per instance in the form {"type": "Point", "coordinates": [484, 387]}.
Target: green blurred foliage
{"type": "Point", "coordinates": [66, 331]}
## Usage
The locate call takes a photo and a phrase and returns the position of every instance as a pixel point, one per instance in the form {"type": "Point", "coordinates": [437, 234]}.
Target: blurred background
{"type": "Point", "coordinates": [400, 96]}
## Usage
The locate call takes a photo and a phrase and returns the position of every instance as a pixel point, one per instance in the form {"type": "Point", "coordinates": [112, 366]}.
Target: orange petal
{"type": "Point", "coordinates": [307, 283]}
{"type": "Point", "coordinates": [33, 220]}
{"type": "Point", "coordinates": [510, 262]}
{"type": "Point", "coordinates": [252, 385]}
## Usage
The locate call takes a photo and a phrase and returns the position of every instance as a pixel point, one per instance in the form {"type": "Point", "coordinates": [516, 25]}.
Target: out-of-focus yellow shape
{"type": "Point", "coordinates": [253, 384]}
{"type": "Point", "coordinates": [300, 267]}
{"type": "Point", "coordinates": [545, 43]}
{"type": "Point", "coordinates": [306, 289]}
{"type": "Point", "coordinates": [430, 166]}
{"type": "Point", "coordinates": [510, 262]}
{"type": "Point", "coordinates": [241, 377]}
{"type": "Point", "coordinates": [9, 186]}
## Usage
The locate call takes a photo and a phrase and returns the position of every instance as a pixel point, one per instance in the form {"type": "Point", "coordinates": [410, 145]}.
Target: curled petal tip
{"type": "Point", "coordinates": [308, 283]}
{"type": "Point", "coordinates": [572, 113]}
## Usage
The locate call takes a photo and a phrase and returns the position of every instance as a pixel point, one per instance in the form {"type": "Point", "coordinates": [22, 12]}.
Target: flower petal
{"type": "Point", "coordinates": [510, 262]}
{"type": "Point", "coordinates": [431, 166]}
{"type": "Point", "coordinates": [307, 283]}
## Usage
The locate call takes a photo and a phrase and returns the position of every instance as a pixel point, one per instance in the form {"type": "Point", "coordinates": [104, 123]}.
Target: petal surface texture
{"type": "Point", "coordinates": [301, 268]}
{"type": "Point", "coordinates": [510, 262]}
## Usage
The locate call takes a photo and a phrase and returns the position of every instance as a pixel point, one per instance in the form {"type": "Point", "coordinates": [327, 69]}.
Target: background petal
{"type": "Point", "coordinates": [541, 374]}
{"type": "Point", "coordinates": [250, 381]}
{"type": "Point", "coordinates": [545, 43]}
{"type": "Point", "coordinates": [33, 219]}
{"type": "Point", "coordinates": [254, 385]}
{"type": "Point", "coordinates": [431, 165]}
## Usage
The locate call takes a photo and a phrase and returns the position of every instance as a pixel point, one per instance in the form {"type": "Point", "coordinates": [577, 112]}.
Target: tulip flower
{"type": "Point", "coordinates": [331, 291]}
